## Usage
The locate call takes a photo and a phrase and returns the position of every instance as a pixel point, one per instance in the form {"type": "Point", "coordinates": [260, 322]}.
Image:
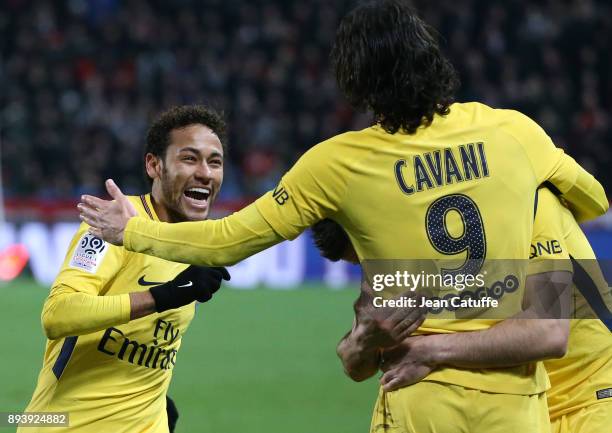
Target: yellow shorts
{"type": "Point", "coordinates": [434, 407]}
{"type": "Point", "coordinates": [596, 418]}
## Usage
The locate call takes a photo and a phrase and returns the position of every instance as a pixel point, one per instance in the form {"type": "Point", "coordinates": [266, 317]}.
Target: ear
{"type": "Point", "coordinates": [153, 165]}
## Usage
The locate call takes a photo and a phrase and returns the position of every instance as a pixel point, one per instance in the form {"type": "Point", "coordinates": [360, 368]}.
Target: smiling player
{"type": "Point", "coordinates": [115, 319]}
{"type": "Point", "coordinates": [392, 185]}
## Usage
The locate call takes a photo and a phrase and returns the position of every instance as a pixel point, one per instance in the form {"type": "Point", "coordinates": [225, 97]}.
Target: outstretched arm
{"type": "Point", "coordinates": [309, 192]}
{"type": "Point", "coordinates": [219, 242]}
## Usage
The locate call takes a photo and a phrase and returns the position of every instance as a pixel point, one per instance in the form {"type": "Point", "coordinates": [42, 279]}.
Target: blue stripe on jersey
{"type": "Point", "coordinates": [591, 293]}
{"type": "Point", "coordinates": [64, 356]}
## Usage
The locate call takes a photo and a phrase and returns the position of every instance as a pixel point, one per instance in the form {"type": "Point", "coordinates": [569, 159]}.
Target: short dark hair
{"type": "Point", "coordinates": [158, 136]}
{"type": "Point", "coordinates": [330, 239]}
{"type": "Point", "coordinates": [387, 60]}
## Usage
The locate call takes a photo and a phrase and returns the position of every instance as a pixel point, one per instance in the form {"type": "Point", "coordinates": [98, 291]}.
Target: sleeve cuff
{"type": "Point", "coordinates": [126, 309]}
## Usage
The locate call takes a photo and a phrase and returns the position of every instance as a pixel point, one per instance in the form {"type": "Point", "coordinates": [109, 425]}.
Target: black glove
{"type": "Point", "coordinates": [196, 283]}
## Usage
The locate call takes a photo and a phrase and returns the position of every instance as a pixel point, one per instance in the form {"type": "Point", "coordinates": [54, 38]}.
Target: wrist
{"type": "Point", "coordinates": [436, 349]}
{"type": "Point", "coordinates": [141, 304]}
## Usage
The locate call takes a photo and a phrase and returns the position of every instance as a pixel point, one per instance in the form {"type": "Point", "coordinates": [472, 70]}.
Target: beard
{"type": "Point", "coordinates": [172, 199]}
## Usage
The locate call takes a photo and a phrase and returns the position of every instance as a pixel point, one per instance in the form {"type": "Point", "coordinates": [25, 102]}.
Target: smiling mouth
{"type": "Point", "coordinates": [199, 195]}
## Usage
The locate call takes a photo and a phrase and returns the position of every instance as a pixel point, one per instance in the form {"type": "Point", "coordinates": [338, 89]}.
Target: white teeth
{"type": "Point", "coordinates": [200, 190]}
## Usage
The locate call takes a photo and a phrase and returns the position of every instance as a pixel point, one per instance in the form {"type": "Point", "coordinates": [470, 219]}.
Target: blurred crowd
{"type": "Point", "coordinates": [81, 79]}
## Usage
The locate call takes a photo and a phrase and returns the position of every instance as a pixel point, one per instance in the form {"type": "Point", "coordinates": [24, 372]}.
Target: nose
{"type": "Point", "coordinates": [203, 172]}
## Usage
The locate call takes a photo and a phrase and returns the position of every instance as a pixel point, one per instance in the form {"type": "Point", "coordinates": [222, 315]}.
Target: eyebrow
{"type": "Point", "coordinates": [197, 152]}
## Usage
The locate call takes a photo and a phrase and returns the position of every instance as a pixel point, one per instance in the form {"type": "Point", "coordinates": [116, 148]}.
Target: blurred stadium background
{"type": "Point", "coordinates": [81, 79]}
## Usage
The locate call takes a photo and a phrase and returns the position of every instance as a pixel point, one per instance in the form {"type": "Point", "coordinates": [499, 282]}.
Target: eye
{"type": "Point", "coordinates": [217, 162]}
{"type": "Point", "coordinates": [188, 158]}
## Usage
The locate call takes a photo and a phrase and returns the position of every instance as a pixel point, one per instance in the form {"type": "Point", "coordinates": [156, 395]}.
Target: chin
{"type": "Point", "coordinates": [179, 215]}
{"type": "Point", "coordinates": [196, 216]}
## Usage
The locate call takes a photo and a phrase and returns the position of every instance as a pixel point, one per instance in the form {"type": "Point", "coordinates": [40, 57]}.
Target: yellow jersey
{"type": "Point", "coordinates": [583, 377]}
{"type": "Point", "coordinates": [393, 194]}
{"type": "Point", "coordinates": [113, 379]}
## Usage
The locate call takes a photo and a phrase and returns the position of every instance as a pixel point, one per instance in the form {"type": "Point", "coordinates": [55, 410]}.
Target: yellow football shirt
{"type": "Point", "coordinates": [392, 194]}
{"type": "Point", "coordinates": [583, 375]}
{"type": "Point", "coordinates": [461, 188]}
{"type": "Point", "coordinates": [113, 379]}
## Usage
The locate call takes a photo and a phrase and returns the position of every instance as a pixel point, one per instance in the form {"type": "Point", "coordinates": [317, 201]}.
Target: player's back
{"type": "Point", "coordinates": [462, 187]}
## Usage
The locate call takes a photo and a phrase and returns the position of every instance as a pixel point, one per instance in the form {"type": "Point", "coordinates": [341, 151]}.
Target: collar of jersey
{"type": "Point", "coordinates": [148, 206]}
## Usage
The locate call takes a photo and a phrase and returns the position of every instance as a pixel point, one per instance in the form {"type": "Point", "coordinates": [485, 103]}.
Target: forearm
{"type": "Point", "coordinates": [67, 312]}
{"type": "Point", "coordinates": [509, 343]}
{"type": "Point", "coordinates": [538, 332]}
{"type": "Point", "coordinates": [220, 242]}
{"type": "Point", "coordinates": [141, 304]}
{"type": "Point", "coordinates": [360, 361]}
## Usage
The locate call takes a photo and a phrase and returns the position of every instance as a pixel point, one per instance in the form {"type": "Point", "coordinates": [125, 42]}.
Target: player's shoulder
{"type": "Point", "coordinates": [516, 121]}
{"type": "Point", "coordinates": [352, 138]}
{"type": "Point", "coordinates": [472, 107]}
{"type": "Point", "coordinates": [520, 128]}
{"type": "Point", "coordinates": [471, 110]}
{"type": "Point", "coordinates": [347, 145]}
{"type": "Point", "coordinates": [485, 112]}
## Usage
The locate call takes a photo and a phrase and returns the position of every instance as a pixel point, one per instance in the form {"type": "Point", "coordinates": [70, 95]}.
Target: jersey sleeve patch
{"type": "Point", "coordinates": [89, 253]}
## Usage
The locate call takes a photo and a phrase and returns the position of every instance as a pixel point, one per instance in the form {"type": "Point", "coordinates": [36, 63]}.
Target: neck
{"type": "Point", "coordinates": [162, 212]}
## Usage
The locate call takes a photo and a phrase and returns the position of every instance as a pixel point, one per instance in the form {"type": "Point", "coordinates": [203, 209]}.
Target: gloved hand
{"type": "Point", "coordinates": [196, 283]}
